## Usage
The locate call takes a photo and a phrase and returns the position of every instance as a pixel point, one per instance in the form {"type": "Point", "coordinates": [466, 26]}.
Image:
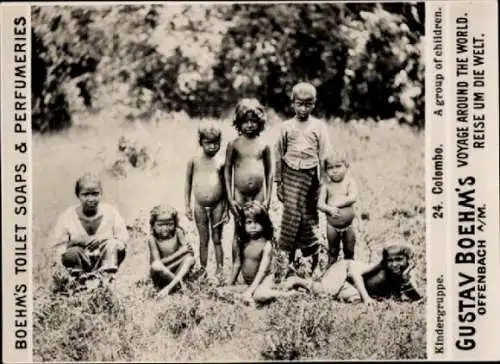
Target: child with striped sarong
{"type": "Point", "coordinates": [301, 149]}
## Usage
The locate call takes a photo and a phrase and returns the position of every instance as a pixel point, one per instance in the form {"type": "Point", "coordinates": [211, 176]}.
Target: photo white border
{"type": "Point", "coordinates": [436, 129]}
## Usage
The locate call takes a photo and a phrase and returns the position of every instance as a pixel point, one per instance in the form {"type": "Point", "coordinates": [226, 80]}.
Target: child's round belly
{"type": "Point", "coordinates": [208, 190]}
{"type": "Point", "coordinates": [249, 177]}
{"type": "Point", "coordinates": [249, 273]}
{"type": "Point", "coordinates": [346, 215]}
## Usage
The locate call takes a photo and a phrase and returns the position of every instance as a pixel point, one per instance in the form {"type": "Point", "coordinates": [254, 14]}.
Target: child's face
{"type": "Point", "coordinates": [90, 196]}
{"type": "Point", "coordinates": [210, 147]}
{"type": "Point", "coordinates": [250, 126]}
{"type": "Point", "coordinates": [397, 263]}
{"type": "Point", "coordinates": [252, 227]}
{"type": "Point", "coordinates": [303, 105]}
{"type": "Point", "coordinates": [164, 228]}
{"type": "Point", "coordinates": [336, 171]}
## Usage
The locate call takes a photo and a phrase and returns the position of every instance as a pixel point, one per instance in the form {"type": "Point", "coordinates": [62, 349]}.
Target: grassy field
{"type": "Point", "coordinates": [129, 324]}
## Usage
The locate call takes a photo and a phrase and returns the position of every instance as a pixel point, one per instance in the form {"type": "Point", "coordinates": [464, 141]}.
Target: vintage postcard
{"type": "Point", "coordinates": [250, 181]}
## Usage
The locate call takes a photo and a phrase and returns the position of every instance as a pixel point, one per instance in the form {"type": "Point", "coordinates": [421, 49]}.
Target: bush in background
{"type": "Point", "coordinates": [365, 59]}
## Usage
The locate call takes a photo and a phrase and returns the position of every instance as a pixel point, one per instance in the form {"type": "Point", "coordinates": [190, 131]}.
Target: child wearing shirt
{"type": "Point", "coordinates": [301, 150]}
{"type": "Point", "coordinates": [90, 236]}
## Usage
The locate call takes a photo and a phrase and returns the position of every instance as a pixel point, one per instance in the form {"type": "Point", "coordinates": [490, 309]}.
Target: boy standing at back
{"type": "Point", "coordinates": [301, 149]}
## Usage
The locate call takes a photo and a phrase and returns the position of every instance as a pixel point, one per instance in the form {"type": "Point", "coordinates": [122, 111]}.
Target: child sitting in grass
{"type": "Point", "coordinates": [91, 236]}
{"type": "Point", "coordinates": [254, 255]}
{"type": "Point", "coordinates": [338, 194]}
{"type": "Point", "coordinates": [350, 281]}
{"type": "Point", "coordinates": [171, 258]}
{"type": "Point", "coordinates": [205, 181]}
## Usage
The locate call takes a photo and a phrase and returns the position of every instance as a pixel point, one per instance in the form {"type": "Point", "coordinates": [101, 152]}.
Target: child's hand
{"type": "Point", "coordinates": [280, 191]}
{"type": "Point", "coordinates": [189, 213]}
{"type": "Point", "coordinates": [234, 207]}
{"type": "Point", "coordinates": [189, 248]}
{"type": "Point", "coordinates": [95, 243]}
{"type": "Point", "coordinates": [334, 211]}
{"type": "Point", "coordinates": [406, 275]}
{"type": "Point", "coordinates": [78, 241]}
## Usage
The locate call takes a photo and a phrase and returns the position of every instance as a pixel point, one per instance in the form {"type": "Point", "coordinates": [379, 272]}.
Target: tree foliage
{"type": "Point", "coordinates": [365, 59]}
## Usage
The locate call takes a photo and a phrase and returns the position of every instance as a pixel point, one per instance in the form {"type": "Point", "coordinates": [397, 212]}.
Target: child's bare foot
{"type": "Point", "coordinates": [108, 277]}
{"type": "Point", "coordinates": [164, 292]}
{"type": "Point", "coordinates": [245, 299]}
{"type": "Point", "coordinates": [289, 283]}
{"type": "Point", "coordinates": [203, 275]}
{"type": "Point", "coordinates": [369, 302]}
{"type": "Point", "coordinates": [219, 275]}
{"type": "Point", "coordinates": [299, 292]}
{"type": "Point", "coordinates": [199, 275]}
{"type": "Point", "coordinates": [74, 285]}
{"type": "Point", "coordinates": [290, 271]}
{"type": "Point", "coordinates": [316, 275]}
{"type": "Point", "coordinates": [92, 282]}
{"type": "Point", "coordinates": [293, 293]}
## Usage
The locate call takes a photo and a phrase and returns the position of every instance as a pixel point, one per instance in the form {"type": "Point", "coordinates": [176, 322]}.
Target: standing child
{"type": "Point", "coordinates": [254, 254]}
{"type": "Point", "coordinates": [205, 180]}
{"type": "Point", "coordinates": [301, 149]}
{"type": "Point", "coordinates": [248, 174]}
{"type": "Point", "coordinates": [170, 257]}
{"type": "Point", "coordinates": [337, 197]}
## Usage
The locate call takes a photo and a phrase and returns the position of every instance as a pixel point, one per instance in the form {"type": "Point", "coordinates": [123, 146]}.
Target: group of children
{"type": "Point", "coordinates": [309, 178]}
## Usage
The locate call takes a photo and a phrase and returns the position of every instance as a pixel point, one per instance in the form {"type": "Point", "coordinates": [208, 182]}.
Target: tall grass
{"type": "Point", "coordinates": [129, 324]}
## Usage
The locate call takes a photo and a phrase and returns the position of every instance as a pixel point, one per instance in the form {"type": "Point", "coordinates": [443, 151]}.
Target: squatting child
{"type": "Point", "coordinates": [338, 195]}
{"type": "Point", "coordinates": [170, 257]}
{"type": "Point", "coordinates": [205, 182]}
{"type": "Point", "coordinates": [351, 281]}
{"type": "Point", "coordinates": [247, 172]}
{"type": "Point", "coordinates": [91, 236]}
{"type": "Point", "coordinates": [254, 255]}
{"type": "Point", "coordinates": [301, 149]}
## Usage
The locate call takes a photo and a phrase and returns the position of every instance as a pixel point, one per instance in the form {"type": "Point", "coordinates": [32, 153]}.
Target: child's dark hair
{"type": "Point", "coordinates": [257, 211]}
{"type": "Point", "coordinates": [248, 107]}
{"type": "Point", "coordinates": [209, 131]}
{"type": "Point", "coordinates": [164, 211]}
{"type": "Point", "coordinates": [397, 247]}
{"type": "Point", "coordinates": [86, 178]}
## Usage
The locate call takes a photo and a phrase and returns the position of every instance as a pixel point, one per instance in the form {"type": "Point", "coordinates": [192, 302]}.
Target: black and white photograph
{"type": "Point", "coordinates": [228, 181]}
{"type": "Point", "coordinates": [249, 181]}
